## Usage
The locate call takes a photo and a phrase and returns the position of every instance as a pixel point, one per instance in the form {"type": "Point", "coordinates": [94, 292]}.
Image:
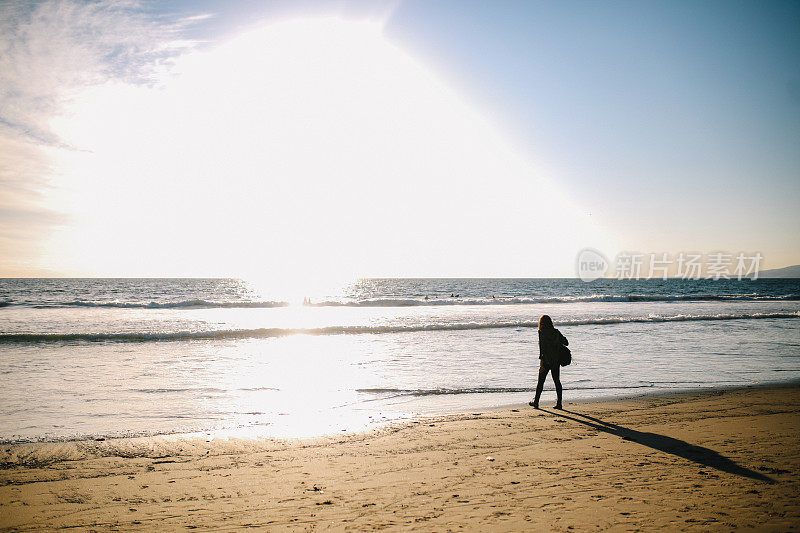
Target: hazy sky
{"type": "Point", "coordinates": [415, 138]}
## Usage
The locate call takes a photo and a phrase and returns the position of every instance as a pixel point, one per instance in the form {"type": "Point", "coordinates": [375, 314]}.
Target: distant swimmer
{"type": "Point", "coordinates": [426, 297]}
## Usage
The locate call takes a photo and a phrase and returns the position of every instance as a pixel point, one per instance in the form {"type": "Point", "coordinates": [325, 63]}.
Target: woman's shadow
{"type": "Point", "coordinates": [698, 454]}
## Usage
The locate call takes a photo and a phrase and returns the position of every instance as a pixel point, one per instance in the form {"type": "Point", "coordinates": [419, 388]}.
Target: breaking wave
{"type": "Point", "coordinates": [410, 302]}
{"type": "Point", "coordinates": [357, 330]}
{"type": "Point", "coordinates": [185, 304]}
{"type": "Point", "coordinates": [488, 390]}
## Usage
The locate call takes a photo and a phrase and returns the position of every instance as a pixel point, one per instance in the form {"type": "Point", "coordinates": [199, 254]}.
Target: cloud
{"type": "Point", "coordinates": [50, 51]}
{"type": "Point", "coordinates": [305, 148]}
{"type": "Point", "coordinates": [311, 148]}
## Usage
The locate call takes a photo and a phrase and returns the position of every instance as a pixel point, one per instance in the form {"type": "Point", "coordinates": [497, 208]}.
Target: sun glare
{"type": "Point", "coordinates": [303, 150]}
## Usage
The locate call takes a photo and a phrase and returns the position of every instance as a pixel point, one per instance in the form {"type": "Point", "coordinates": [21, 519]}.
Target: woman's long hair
{"type": "Point", "coordinates": [545, 322]}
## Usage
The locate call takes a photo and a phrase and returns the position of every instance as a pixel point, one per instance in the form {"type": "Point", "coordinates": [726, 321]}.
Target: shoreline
{"type": "Point", "coordinates": [697, 460]}
{"type": "Point", "coordinates": [645, 392]}
{"type": "Point", "coordinates": [428, 414]}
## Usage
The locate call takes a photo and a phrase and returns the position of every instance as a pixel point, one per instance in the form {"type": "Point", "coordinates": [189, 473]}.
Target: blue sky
{"type": "Point", "coordinates": [678, 113]}
{"type": "Point", "coordinates": [671, 126]}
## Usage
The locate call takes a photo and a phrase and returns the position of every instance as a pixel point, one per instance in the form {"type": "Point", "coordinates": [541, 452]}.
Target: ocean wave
{"type": "Point", "coordinates": [489, 390]}
{"type": "Point", "coordinates": [183, 304]}
{"type": "Point", "coordinates": [359, 330]}
{"type": "Point", "coordinates": [179, 390]}
{"type": "Point", "coordinates": [528, 300]}
{"type": "Point", "coordinates": [411, 302]}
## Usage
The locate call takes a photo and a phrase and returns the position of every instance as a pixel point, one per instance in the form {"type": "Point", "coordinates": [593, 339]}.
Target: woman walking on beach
{"type": "Point", "coordinates": [550, 341]}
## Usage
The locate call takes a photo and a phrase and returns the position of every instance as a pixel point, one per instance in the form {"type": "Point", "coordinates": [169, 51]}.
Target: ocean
{"type": "Point", "coordinates": [104, 358]}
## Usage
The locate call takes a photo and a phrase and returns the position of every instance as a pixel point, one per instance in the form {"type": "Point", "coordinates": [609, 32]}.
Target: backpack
{"type": "Point", "coordinates": [564, 355]}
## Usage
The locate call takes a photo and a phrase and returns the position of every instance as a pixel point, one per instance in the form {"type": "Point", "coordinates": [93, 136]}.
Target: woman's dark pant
{"type": "Point", "coordinates": [556, 372]}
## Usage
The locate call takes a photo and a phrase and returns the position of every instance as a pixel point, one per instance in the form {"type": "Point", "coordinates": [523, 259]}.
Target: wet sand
{"type": "Point", "coordinates": [717, 460]}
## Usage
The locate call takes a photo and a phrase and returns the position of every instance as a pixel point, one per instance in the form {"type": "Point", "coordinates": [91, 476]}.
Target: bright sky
{"type": "Point", "coordinates": [307, 140]}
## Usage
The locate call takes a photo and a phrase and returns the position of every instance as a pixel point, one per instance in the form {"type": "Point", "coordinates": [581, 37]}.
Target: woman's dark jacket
{"type": "Point", "coordinates": [549, 340]}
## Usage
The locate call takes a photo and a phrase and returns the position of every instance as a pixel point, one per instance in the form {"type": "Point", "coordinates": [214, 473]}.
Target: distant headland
{"type": "Point", "coordinates": [785, 272]}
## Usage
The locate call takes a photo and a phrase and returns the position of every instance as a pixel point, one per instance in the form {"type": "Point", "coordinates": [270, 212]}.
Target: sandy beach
{"type": "Point", "coordinates": [692, 461]}
{"type": "Point", "coordinates": [295, 266]}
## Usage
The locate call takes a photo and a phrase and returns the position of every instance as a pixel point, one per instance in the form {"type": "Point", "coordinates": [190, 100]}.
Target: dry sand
{"type": "Point", "coordinates": [697, 461]}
